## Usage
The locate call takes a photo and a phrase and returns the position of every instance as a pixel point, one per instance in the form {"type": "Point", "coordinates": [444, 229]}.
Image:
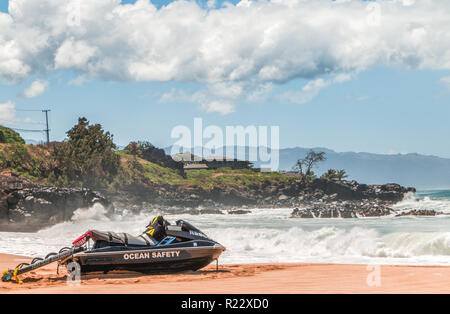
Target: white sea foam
{"type": "Point", "coordinates": [268, 235]}
{"type": "Point", "coordinates": [412, 201]}
{"type": "Point", "coordinates": [96, 212]}
{"type": "Point", "coordinates": [334, 245]}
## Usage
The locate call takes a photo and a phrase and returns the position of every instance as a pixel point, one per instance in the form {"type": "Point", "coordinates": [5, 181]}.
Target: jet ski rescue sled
{"type": "Point", "coordinates": [162, 248]}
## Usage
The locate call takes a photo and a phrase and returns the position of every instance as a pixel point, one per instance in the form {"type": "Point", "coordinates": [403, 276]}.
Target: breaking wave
{"type": "Point", "coordinates": [269, 236]}
{"type": "Point", "coordinates": [96, 212]}
{"type": "Point", "coordinates": [427, 201]}
{"type": "Point", "coordinates": [334, 245]}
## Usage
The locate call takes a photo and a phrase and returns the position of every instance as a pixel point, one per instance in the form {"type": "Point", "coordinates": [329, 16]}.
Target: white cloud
{"type": "Point", "coordinates": [74, 54]}
{"type": "Point", "coordinates": [226, 90]}
{"type": "Point", "coordinates": [222, 108]}
{"type": "Point", "coordinates": [35, 89]}
{"type": "Point", "coordinates": [78, 81]}
{"type": "Point", "coordinates": [312, 89]}
{"type": "Point", "coordinates": [307, 93]}
{"type": "Point", "coordinates": [206, 100]}
{"type": "Point", "coordinates": [7, 112]}
{"type": "Point", "coordinates": [262, 42]}
{"type": "Point", "coordinates": [446, 81]}
{"type": "Point", "coordinates": [211, 4]}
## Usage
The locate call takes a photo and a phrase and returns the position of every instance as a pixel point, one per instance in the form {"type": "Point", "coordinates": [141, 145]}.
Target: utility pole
{"type": "Point", "coordinates": [47, 130]}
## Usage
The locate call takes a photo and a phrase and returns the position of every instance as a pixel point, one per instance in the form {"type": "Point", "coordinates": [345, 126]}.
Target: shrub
{"type": "Point", "coordinates": [87, 157]}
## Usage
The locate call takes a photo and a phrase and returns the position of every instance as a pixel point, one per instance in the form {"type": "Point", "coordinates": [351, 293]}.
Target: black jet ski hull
{"type": "Point", "coordinates": [168, 259]}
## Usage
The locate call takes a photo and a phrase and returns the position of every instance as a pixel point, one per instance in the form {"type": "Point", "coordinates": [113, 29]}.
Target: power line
{"type": "Point", "coordinates": [28, 110]}
{"type": "Point", "coordinates": [23, 130]}
{"type": "Point", "coordinates": [47, 129]}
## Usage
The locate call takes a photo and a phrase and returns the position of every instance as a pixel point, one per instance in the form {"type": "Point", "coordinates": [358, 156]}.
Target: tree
{"type": "Point", "coordinates": [87, 156]}
{"type": "Point", "coordinates": [136, 168]}
{"type": "Point", "coordinates": [134, 149]}
{"type": "Point", "coordinates": [2, 137]}
{"type": "Point", "coordinates": [149, 152]}
{"type": "Point", "coordinates": [333, 174]}
{"type": "Point", "coordinates": [341, 174]}
{"type": "Point", "coordinates": [329, 175]}
{"type": "Point", "coordinates": [305, 165]}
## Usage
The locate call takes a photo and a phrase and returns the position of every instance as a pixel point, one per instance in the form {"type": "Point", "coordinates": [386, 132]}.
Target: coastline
{"type": "Point", "coordinates": [248, 278]}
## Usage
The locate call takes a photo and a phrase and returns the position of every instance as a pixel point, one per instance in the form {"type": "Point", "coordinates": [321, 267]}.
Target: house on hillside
{"type": "Point", "coordinates": [216, 162]}
{"type": "Point", "coordinates": [192, 162]}
{"type": "Point", "coordinates": [194, 166]}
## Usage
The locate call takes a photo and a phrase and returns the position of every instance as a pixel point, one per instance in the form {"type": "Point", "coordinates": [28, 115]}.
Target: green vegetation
{"type": "Point", "coordinates": [30, 161]}
{"type": "Point", "coordinates": [333, 174]}
{"type": "Point", "coordinates": [149, 172]}
{"type": "Point", "coordinates": [10, 136]}
{"type": "Point", "coordinates": [88, 158]}
{"type": "Point", "coordinates": [305, 165]}
{"type": "Point", "coordinates": [149, 152]}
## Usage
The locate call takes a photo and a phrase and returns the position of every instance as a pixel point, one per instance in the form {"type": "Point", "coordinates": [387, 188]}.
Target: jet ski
{"type": "Point", "coordinates": [161, 248]}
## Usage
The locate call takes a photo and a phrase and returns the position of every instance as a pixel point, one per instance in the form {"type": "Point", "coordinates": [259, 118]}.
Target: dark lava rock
{"type": "Point", "coordinates": [345, 209]}
{"type": "Point", "coordinates": [239, 212]}
{"type": "Point", "coordinates": [25, 205]}
{"type": "Point", "coordinates": [421, 212]}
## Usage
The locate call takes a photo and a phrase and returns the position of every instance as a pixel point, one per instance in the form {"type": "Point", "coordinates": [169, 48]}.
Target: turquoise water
{"type": "Point", "coordinates": [434, 194]}
{"type": "Point", "coordinates": [269, 235]}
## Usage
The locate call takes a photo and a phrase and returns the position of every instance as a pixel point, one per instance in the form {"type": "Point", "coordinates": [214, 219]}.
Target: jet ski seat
{"type": "Point", "coordinates": [123, 238]}
{"type": "Point", "coordinates": [159, 233]}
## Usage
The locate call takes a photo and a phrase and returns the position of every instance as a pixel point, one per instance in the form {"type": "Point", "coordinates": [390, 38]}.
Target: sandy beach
{"type": "Point", "coordinates": [245, 278]}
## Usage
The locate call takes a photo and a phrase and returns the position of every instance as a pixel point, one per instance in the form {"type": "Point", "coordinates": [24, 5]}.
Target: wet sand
{"type": "Point", "coordinates": [245, 278]}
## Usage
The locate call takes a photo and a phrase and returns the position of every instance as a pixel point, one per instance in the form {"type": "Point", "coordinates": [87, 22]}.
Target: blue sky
{"type": "Point", "coordinates": [381, 109]}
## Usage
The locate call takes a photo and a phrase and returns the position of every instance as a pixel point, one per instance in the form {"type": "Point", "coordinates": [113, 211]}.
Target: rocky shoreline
{"type": "Point", "coordinates": [317, 199]}
{"type": "Point", "coordinates": [27, 206]}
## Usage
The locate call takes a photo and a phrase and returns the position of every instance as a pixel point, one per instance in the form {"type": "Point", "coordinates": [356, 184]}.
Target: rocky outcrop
{"type": "Point", "coordinates": [345, 209]}
{"type": "Point", "coordinates": [26, 206]}
{"type": "Point", "coordinates": [319, 198]}
{"type": "Point", "coordinates": [267, 194]}
{"type": "Point", "coordinates": [239, 212]}
{"type": "Point", "coordinates": [419, 212]}
{"type": "Point", "coordinates": [348, 199]}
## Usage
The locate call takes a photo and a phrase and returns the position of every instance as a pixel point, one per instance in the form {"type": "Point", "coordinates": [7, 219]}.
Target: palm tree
{"type": "Point", "coordinates": [330, 174]}
{"type": "Point", "coordinates": [333, 174]}
{"type": "Point", "coordinates": [341, 174]}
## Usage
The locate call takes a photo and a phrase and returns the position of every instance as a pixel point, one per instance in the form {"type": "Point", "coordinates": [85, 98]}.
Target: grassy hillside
{"type": "Point", "coordinates": [206, 179]}
{"type": "Point", "coordinates": [10, 136]}
{"type": "Point", "coordinates": [35, 162]}
{"type": "Point", "coordinates": [30, 161]}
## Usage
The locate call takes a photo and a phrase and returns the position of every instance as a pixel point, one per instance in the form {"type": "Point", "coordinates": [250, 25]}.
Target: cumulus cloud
{"type": "Point", "coordinates": [222, 108]}
{"type": "Point", "coordinates": [263, 42]}
{"type": "Point", "coordinates": [207, 100]}
{"type": "Point", "coordinates": [35, 89]}
{"type": "Point", "coordinates": [7, 112]}
{"type": "Point", "coordinates": [312, 89]}
{"type": "Point", "coordinates": [78, 81]}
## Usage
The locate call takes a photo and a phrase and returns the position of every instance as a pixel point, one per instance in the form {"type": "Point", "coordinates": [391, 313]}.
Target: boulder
{"type": "Point", "coordinates": [420, 212]}
{"type": "Point", "coordinates": [24, 204]}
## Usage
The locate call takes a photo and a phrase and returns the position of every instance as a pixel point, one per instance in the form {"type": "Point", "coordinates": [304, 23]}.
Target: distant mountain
{"type": "Point", "coordinates": [33, 142]}
{"type": "Point", "coordinates": [420, 171]}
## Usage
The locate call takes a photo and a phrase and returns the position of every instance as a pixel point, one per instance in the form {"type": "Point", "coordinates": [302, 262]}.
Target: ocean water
{"type": "Point", "coordinates": [269, 235]}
